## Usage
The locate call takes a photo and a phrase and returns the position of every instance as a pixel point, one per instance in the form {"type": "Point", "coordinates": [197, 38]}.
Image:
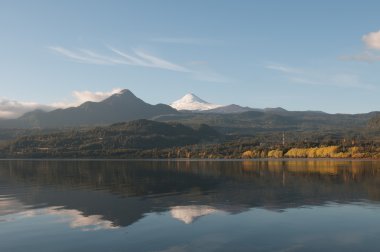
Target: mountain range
{"type": "Point", "coordinates": [192, 110]}
{"type": "Point", "coordinates": [120, 107]}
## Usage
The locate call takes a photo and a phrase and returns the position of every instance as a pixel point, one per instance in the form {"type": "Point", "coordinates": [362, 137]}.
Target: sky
{"type": "Point", "coordinates": [296, 54]}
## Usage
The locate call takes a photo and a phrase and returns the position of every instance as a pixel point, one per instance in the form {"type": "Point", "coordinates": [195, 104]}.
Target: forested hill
{"type": "Point", "coordinates": [151, 139]}
{"type": "Point", "coordinates": [108, 141]}
{"type": "Point", "coordinates": [374, 123]}
{"type": "Point", "coordinates": [279, 120]}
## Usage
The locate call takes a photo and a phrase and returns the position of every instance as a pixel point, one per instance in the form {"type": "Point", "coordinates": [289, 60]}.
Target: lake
{"type": "Point", "coordinates": [264, 205]}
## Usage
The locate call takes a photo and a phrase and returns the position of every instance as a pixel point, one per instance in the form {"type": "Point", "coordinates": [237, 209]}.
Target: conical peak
{"type": "Point", "coordinates": [190, 97]}
{"type": "Point", "coordinates": [192, 102]}
{"type": "Point", "coordinates": [125, 91]}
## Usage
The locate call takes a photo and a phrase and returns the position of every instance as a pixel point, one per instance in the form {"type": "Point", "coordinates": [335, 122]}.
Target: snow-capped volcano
{"type": "Point", "coordinates": [188, 214]}
{"type": "Point", "coordinates": [192, 102]}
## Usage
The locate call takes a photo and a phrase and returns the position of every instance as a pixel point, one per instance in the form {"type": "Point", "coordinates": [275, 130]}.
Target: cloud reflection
{"type": "Point", "coordinates": [13, 210]}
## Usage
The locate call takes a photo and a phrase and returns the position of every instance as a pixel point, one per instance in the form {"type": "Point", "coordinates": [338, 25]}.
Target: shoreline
{"type": "Point", "coordinates": [195, 159]}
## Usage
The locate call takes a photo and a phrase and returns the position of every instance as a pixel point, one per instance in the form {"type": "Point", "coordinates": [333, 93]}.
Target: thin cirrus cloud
{"type": "Point", "coordinates": [12, 109]}
{"type": "Point", "coordinates": [187, 41]}
{"type": "Point", "coordinates": [283, 68]}
{"type": "Point", "coordinates": [302, 76]}
{"type": "Point", "coordinates": [366, 56]}
{"type": "Point", "coordinates": [372, 43]}
{"type": "Point", "coordinates": [137, 58]}
{"type": "Point", "coordinates": [337, 80]}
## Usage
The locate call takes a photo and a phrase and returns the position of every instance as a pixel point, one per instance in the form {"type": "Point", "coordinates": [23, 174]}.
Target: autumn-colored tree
{"type": "Point", "coordinates": [275, 154]}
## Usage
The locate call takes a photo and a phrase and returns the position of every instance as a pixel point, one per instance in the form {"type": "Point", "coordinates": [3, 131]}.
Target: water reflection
{"type": "Point", "coordinates": [188, 214]}
{"type": "Point", "coordinates": [109, 194]}
{"type": "Point", "coordinates": [11, 212]}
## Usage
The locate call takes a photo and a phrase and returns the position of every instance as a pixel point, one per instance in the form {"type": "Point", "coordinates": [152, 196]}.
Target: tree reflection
{"type": "Point", "coordinates": [122, 192]}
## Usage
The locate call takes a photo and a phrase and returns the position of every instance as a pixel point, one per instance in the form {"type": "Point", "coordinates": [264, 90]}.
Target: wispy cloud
{"type": "Point", "coordinates": [366, 56]}
{"type": "Point", "coordinates": [79, 56]}
{"type": "Point", "coordinates": [303, 80]}
{"type": "Point", "coordinates": [283, 68]}
{"type": "Point", "coordinates": [137, 58]}
{"type": "Point", "coordinates": [12, 109]}
{"type": "Point", "coordinates": [145, 59]}
{"type": "Point", "coordinates": [187, 41]}
{"type": "Point", "coordinates": [312, 77]}
{"type": "Point", "coordinates": [118, 57]}
{"type": "Point", "coordinates": [349, 80]}
{"type": "Point", "coordinates": [160, 63]}
{"type": "Point", "coordinates": [129, 59]}
{"type": "Point", "coordinates": [337, 80]}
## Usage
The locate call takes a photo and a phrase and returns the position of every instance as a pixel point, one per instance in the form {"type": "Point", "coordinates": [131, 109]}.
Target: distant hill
{"type": "Point", "coordinates": [374, 123]}
{"type": "Point", "coordinates": [121, 107]}
{"type": "Point", "coordinates": [106, 141]}
{"type": "Point", "coordinates": [230, 109]}
{"type": "Point", "coordinates": [278, 119]}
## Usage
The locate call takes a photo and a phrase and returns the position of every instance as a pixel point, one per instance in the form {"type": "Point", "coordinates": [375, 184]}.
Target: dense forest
{"type": "Point", "coordinates": [153, 139]}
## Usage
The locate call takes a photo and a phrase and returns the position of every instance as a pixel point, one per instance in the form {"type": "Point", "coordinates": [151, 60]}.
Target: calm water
{"type": "Point", "coordinates": [293, 205]}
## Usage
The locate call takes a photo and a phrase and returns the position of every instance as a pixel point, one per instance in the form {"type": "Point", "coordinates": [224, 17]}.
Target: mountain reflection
{"type": "Point", "coordinates": [188, 214]}
{"type": "Point", "coordinates": [93, 195]}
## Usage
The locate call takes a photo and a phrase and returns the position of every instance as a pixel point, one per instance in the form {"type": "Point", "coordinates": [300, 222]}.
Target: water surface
{"type": "Point", "coordinates": [291, 205]}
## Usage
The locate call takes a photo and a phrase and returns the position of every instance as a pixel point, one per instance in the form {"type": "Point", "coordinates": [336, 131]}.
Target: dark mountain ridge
{"type": "Point", "coordinates": [124, 106]}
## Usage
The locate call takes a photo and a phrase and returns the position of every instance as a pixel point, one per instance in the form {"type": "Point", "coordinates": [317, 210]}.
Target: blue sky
{"type": "Point", "coordinates": [295, 54]}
